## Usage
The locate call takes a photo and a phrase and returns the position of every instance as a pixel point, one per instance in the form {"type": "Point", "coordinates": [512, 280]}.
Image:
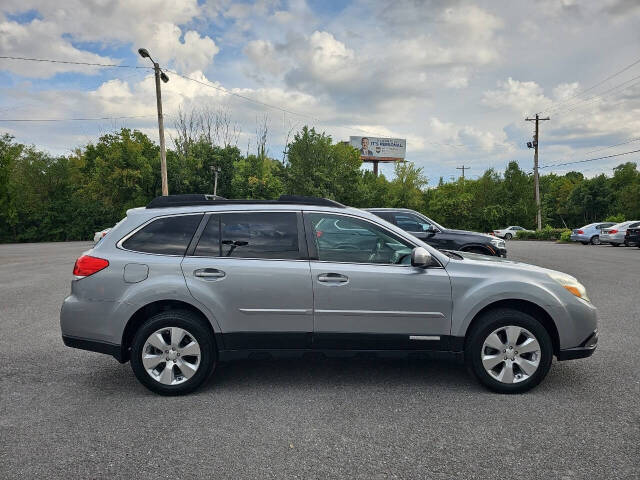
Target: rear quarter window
{"type": "Point", "coordinates": [164, 235]}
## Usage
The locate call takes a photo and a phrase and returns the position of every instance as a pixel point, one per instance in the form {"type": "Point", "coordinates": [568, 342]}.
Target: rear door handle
{"type": "Point", "coordinates": [332, 278]}
{"type": "Point", "coordinates": [209, 273]}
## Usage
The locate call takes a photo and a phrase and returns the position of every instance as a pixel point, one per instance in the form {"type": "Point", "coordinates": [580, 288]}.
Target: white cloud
{"type": "Point", "coordinates": [154, 24]}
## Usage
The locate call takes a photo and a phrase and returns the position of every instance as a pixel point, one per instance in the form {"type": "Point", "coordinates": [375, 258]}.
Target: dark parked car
{"type": "Point", "coordinates": [440, 237]}
{"type": "Point", "coordinates": [632, 237]}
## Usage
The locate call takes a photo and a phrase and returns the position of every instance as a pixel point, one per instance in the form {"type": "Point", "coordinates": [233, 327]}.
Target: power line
{"type": "Point", "coordinates": [86, 119]}
{"type": "Point", "coordinates": [590, 159]}
{"type": "Point", "coordinates": [611, 146]}
{"type": "Point", "coordinates": [597, 84]}
{"type": "Point", "coordinates": [575, 105]}
{"type": "Point", "coordinates": [206, 84]}
{"type": "Point", "coordinates": [68, 62]}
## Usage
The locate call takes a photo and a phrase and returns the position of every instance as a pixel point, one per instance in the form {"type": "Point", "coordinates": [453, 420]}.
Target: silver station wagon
{"type": "Point", "coordinates": [191, 281]}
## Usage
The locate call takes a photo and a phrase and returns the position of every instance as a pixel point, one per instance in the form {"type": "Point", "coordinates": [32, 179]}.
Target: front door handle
{"type": "Point", "coordinates": [332, 278]}
{"type": "Point", "coordinates": [209, 273]}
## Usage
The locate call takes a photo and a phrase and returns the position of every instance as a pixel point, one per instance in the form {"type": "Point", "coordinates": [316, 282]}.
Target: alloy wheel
{"type": "Point", "coordinates": [595, 240]}
{"type": "Point", "coordinates": [171, 355]}
{"type": "Point", "coordinates": [511, 354]}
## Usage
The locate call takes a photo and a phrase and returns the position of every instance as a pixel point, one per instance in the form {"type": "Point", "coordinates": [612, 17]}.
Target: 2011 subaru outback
{"type": "Point", "coordinates": [188, 282]}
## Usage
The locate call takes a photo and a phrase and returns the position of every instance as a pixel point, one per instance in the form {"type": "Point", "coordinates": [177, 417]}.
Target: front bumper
{"type": "Point", "coordinates": [585, 349]}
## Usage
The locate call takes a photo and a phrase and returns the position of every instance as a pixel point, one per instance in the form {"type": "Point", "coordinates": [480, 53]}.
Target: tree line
{"type": "Point", "coordinates": [69, 197]}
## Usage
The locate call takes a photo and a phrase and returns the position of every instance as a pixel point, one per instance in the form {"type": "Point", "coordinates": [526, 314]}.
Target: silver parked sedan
{"type": "Point", "coordinates": [590, 233]}
{"type": "Point", "coordinates": [615, 234]}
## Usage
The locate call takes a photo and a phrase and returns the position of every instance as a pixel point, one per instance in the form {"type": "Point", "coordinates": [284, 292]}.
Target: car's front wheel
{"type": "Point", "coordinates": [509, 351]}
{"type": "Point", "coordinates": [595, 240]}
{"type": "Point", "coordinates": [173, 353]}
{"type": "Point", "coordinates": [508, 236]}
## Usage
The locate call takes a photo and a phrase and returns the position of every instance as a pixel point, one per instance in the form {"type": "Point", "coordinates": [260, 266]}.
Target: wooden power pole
{"type": "Point", "coordinates": [463, 168]}
{"type": "Point", "coordinates": [536, 177]}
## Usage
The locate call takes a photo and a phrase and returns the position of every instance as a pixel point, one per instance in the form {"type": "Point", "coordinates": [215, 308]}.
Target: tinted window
{"type": "Point", "coordinates": [411, 223]}
{"type": "Point", "coordinates": [260, 235]}
{"type": "Point", "coordinates": [347, 239]}
{"type": "Point", "coordinates": [209, 243]}
{"type": "Point", "coordinates": [166, 235]}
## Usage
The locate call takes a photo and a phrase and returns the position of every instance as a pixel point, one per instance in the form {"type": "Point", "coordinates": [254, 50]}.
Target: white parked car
{"type": "Point", "coordinates": [98, 235]}
{"type": "Point", "coordinates": [615, 235]}
{"type": "Point", "coordinates": [509, 232]}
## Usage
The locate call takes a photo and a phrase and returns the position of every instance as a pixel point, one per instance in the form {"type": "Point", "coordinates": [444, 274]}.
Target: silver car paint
{"type": "Point", "coordinates": [617, 237]}
{"type": "Point", "coordinates": [100, 306]}
{"type": "Point", "coordinates": [589, 231]}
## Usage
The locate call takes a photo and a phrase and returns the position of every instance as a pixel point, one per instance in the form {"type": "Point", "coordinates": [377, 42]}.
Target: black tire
{"type": "Point", "coordinates": [493, 320]}
{"type": "Point", "coordinates": [595, 240]}
{"type": "Point", "coordinates": [194, 325]}
{"type": "Point", "coordinates": [508, 236]}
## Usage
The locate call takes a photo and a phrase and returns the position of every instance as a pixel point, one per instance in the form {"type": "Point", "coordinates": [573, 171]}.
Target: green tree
{"type": "Point", "coordinates": [318, 168]}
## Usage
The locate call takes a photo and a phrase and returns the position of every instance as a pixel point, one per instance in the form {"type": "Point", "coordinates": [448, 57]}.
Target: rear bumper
{"type": "Point", "coordinates": [576, 237]}
{"type": "Point", "coordinates": [94, 346]}
{"type": "Point", "coordinates": [585, 349]}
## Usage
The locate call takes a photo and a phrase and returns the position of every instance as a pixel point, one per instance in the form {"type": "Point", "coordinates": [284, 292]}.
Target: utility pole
{"type": "Point", "coordinates": [463, 168]}
{"type": "Point", "coordinates": [160, 75]}
{"type": "Point", "coordinates": [536, 177]}
{"type": "Point", "coordinates": [216, 171]}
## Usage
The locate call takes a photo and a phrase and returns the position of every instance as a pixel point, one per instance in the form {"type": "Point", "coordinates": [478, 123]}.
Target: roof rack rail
{"type": "Point", "coordinates": [167, 201]}
{"type": "Point", "coordinates": [309, 201]}
{"type": "Point", "coordinates": [195, 199]}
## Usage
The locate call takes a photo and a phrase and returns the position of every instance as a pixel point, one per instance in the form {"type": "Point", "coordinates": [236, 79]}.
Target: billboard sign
{"type": "Point", "coordinates": [380, 149]}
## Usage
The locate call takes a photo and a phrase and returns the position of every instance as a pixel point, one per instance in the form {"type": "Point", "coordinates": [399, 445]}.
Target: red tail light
{"type": "Point", "coordinates": [87, 265]}
{"type": "Point", "coordinates": [580, 232]}
{"type": "Point", "coordinates": [613, 231]}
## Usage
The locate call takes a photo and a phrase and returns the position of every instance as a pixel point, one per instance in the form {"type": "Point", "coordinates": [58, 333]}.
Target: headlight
{"type": "Point", "coordinates": [571, 284]}
{"type": "Point", "coordinates": [497, 242]}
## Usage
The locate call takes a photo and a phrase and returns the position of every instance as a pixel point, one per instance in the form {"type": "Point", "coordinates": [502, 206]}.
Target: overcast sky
{"type": "Point", "coordinates": [455, 78]}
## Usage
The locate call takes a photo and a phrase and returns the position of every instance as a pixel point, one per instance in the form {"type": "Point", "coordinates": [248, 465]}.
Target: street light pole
{"type": "Point", "coordinates": [163, 153]}
{"type": "Point", "coordinates": [160, 75]}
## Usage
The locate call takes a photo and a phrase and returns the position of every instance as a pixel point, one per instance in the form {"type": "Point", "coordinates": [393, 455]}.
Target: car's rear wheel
{"type": "Point", "coordinates": [509, 351]}
{"type": "Point", "coordinates": [508, 236]}
{"type": "Point", "coordinates": [173, 353]}
{"type": "Point", "coordinates": [595, 240]}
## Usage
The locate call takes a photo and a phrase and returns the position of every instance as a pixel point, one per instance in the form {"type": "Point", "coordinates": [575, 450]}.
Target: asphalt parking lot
{"type": "Point", "coordinates": [67, 413]}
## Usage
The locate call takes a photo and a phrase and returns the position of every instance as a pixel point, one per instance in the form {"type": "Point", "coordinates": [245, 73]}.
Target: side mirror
{"type": "Point", "coordinates": [421, 235]}
{"type": "Point", "coordinates": [420, 257]}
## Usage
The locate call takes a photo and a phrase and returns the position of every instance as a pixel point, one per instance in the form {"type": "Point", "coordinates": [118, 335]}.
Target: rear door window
{"type": "Point", "coordinates": [270, 235]}
{"type": "Point", "coordinates": [164, 235]}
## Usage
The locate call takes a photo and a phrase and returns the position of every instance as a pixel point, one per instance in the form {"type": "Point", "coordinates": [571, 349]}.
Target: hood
{"type": "Point", "coordinates": [503, 262]}
{"type": "Point", "coordinates": [467, 232]}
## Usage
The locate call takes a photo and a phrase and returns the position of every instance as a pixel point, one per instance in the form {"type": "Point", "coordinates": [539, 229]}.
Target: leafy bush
{"type": "Point", "coordinates": [547, 233]}
{"type": "Point", "coordinates": [565, 236]}
{"type": "Point", "coordinates": [618, 218]}
{"type": "Point", "coordinates": [525, 235]}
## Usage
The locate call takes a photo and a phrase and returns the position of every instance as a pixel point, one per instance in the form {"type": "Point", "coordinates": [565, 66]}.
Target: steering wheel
{"type": "Point", "coordinates": [401, 258]}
